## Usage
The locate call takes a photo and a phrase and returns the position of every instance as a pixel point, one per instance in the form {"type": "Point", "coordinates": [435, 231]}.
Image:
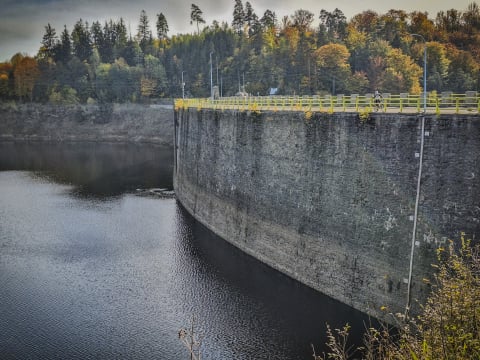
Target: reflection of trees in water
{"type": "Point", "coordinates": [281, 303]}
{"type": "Point", "coordinates": [94, 169]}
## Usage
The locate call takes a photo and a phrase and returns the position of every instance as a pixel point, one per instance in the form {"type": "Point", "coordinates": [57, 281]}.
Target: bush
{"type": "Point", "coordinates": [448, 326]}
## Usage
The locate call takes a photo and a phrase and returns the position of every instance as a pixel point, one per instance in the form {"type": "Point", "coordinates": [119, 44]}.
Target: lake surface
{"type": "Point", "coordinates": [91, 270]}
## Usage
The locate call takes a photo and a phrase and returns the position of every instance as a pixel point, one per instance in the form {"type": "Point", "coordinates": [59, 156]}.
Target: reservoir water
{"type": "Point", "coordinates": [91, 270]}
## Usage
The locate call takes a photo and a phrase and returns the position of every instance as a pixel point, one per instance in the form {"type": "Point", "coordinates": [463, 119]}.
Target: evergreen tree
{"type": "Point", "coordinates": [269, 19]}
{"type": "Point", "coordinates": [238, 17]}
{"type": "Point", "coordinates": [120, 38]}
{"type": "Point", "coordinates": [81, 41]}
{"type": "Point", "coordinates": [49, 43]}
{"type": "Point", "coordinates": [64, 51]}
{"type": "Point", "coordinates": [144, 35]}
{"type": "Point", "coordinates": [97, 35]}
{"type": "Point", "coordinates": [251, 19]}
{"type": "Point", "coordinates": [196, 16]}
{"type": "Point", "coordinates": [334, 24]}
{"type": "Point", "coordinates": [162, 26]}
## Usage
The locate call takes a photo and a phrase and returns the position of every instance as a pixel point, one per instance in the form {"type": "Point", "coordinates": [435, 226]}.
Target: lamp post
{"type": "Point", "coordinates": [183, 87]}
{"type": "Point", "coordinates": [417, 198]}
{"type": "Point", "coordinates": [211, 76]}
{"type": "Point", "coordinates": [424, 71]}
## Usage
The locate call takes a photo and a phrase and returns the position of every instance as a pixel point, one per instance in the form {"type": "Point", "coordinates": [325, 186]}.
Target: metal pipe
{"type": "Point", "coordinates": [419, 180]}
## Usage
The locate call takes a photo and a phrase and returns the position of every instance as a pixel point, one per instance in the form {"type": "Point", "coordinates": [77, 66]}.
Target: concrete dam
{"type": "Point", "coordinates": [329, 199]}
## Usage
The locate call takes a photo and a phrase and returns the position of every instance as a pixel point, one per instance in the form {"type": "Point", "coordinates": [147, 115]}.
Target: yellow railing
{"type": "Point", "coordinates": [444, 103]}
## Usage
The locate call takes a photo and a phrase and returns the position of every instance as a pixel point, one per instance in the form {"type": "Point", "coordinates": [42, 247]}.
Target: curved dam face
{"type": "Point", "coordinates": [328, 199]}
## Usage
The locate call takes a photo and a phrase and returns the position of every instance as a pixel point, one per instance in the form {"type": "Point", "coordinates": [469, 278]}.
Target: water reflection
{"type": "Point", "coordinates": [95, 169]}
{"type": "Point", "coordinates": [89, 270]}
{"type": "Point", "coordinates": [256, 308]}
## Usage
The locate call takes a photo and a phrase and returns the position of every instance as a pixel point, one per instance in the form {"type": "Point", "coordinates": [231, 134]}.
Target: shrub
{"type": "Point", "coordinates": [448, 326]}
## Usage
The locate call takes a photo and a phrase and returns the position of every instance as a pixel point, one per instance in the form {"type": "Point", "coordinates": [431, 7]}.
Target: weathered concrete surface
{"type": "Point", "coordinates": [329, 200]}
{"type": "Point", "coordinates": [108, 122]}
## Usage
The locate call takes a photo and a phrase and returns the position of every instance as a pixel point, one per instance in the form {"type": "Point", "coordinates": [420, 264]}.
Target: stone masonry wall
{"type": "Point", "coordinates": [106, 122]}
{"type": "Point", "coordinates": [329, 200]}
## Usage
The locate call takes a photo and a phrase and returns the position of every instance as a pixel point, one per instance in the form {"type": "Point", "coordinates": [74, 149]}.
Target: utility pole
{"type": "Point", "coordinates": [216, 60]}
{"type": "Point", "coordinates": [239, 87]}
{"type": "Point", "coordinates": [211, 76]}
{"type": "Point", "coordinates": [183, 87]}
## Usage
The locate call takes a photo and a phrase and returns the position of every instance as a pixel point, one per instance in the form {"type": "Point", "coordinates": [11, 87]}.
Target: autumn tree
{"type": "Point", "coordinates": [302, 19]}
{"type": "Point", "coordinates": [463, 72]}
{"type": "Point", "coordinates": [333, 66]}
{"type": "Point", "coordinates": [6, 73]}
{"type": "Point", "coordinates": [357, 44]}
{"type": "Point", "coordinates": [390, 70]}
{"type": "Point", "coordinates": [393, 25]}
{"type": "Point", "coordinates": [422, 25]}
{"type": "Point", "coordinates": [25, 74]}
{"type": "Point", "coordinates": [471, 18]}
{"type": "Point", "coordinates": [366, 22]}
{"type": "Point", "coordinates": [437, 63]}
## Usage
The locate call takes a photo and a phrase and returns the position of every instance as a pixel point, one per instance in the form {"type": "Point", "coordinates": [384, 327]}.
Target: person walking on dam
{"type": "Point", "coordinates": [377, 97]}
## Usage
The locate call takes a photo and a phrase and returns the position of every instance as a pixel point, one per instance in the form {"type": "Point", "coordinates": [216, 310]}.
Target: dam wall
{"type": "Point", "coordinates": [329, 199]}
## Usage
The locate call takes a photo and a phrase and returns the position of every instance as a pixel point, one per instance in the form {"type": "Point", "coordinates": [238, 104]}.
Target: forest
{"type": "Point", "coordinates": [258, 54]}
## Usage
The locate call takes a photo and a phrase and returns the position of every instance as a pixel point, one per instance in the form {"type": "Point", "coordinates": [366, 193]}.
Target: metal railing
{"type": "Point", "coordinates": [402, 103]}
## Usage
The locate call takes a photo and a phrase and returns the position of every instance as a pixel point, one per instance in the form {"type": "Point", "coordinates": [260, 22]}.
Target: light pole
{"type": "Point", "coordinates": [211, 76]}
{"type": "Point", "coordinates": [419, 179]}
{"type": "Point", "coordinates": [424, 71]}
{"type": "Point", "coordinates": [183, 87]}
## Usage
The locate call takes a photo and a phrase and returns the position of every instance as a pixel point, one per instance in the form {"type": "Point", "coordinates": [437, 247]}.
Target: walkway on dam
{"type": "Point", "coordinates": [468, 103]}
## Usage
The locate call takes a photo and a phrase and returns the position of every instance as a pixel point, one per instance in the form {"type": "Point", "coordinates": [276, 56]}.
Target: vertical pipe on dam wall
{"type": "Point", "coordinates": [330, 200]}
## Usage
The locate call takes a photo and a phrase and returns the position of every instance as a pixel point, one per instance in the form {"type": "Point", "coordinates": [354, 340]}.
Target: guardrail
{"type": "Point", "coordinates": [444, 103]}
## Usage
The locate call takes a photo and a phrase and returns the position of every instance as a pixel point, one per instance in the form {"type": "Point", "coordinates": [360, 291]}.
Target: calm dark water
{"type": "Point", "coordinates": [89, 270]}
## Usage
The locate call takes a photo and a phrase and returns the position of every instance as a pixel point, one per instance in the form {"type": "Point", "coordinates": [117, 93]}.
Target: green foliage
{"type": "Point", "coordinates": [370, 51]}
{"type": "Point", "coordinates": [66, 96]}
{"type": "Point", "coordinates": [196, 16]}
{"type": "Point", "coordinates": [364, 114]}
{"type": "Point", "coordinates": [448, 326]}
{"type": "Point", "coordinates": [81, 40]}
{"type": "Point", "coordinates": [162, 26]}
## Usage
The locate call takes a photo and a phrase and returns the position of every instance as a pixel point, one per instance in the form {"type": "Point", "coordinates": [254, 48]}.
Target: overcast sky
{"type": "Point", "coordinates": [22, 22]}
